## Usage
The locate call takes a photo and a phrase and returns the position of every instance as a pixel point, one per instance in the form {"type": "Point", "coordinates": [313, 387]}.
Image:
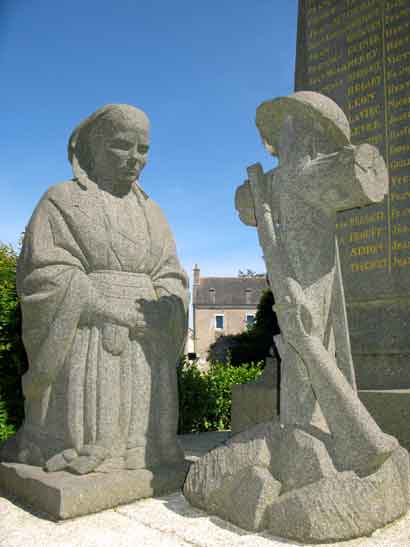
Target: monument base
{"type": "Point", "coordinates": [254, 403]}
{"type": "Point", "coordinates": [390, 408]}
{"type": "Point", "coordinates": [258, 401]}
{"type": "Point", "coordinates": [63, 495]}
{"type": "Point", "coordinates": [294, 483]}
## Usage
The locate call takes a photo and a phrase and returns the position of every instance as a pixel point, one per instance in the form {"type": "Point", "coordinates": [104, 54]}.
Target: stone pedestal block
{"type": "Point", "coordinates": [63, 495]}
{"type": "Point", "coordinates": [252, 404]}
{"type": "Point", "coordinates": [256, 402]}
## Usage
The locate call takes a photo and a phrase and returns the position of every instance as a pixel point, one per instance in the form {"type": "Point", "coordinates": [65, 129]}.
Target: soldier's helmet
{"type": "Point", "coordinates": [308, 105]}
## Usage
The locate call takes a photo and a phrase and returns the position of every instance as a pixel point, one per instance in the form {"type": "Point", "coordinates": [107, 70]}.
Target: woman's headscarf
{"type": "Point", "coordinates": [103, 122]}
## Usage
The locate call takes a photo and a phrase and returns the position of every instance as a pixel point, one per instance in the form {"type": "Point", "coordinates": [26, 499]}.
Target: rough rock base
{"type": "Point", "coordinates": [288, 481]}
{"type": "Point", "coordinates": [63, 495]}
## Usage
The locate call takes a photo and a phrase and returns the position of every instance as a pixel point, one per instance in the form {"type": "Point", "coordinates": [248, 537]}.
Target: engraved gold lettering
{"type": "Point", "coordinates": [399, 196]}
{"type": "Point", "coordinates": [364, 235]}
{"type": "Point", "coordinates": [366, 250]}
{"type": "Point", "coordinates": [397, 180]}
{"type": "Point", "coordinates": [399, 164]}
{"type": "Point", "coordinates": [364, 72]}
{"type": "Point", "coordinates": [394, 89]}
{"type": "Point", "coordinates": [361, 101]}
{"type": "Point", "coordinates": [370, 42]}
{"type": "Point", "coordinates": [399, 262]}
{"type": "Point", "coordinates": [400, 245]}
{"type": "Point", "coordinates": [395, 44]}
{"type": "Point", "coordinates": [401, 229]}
{"type": "Point", "coordinates": [399, 118]}
{"type": "Point", "coordinates": [371, 6]}
{"type": "Point", "coordinates": [395, 4]}
{"type": "Point", "coordinates": [397, 17]}
{"type": "Point", "coordinates": [400, 213]}
{"type": "Point", "coordinates": [400, 58]}
{"type": "Point", "coordinates": [400, 72]}
{"type": "Point", "coordinates": [365, 114]}
{"type": "Point", "coordinates": [320, 67]}
{"type": "Point", "coordinates": [370, 265]}
{"type": "Point", "coordinates": [399, 149]}
{"type": "Point", "coordinates": [397, 134]}
{"type": "Point", "coordinates": [366, 128]}
{"type": "Point", "coordinates": [364, 86]}
{"type": "Point", "coordinates": [370, 218]}
{"type": "Point", "coordinates": [330, 87]}
{"type": "Point", "coordinates": [364, 29]}
{"type": "Point", "coordinates": [397, 103]}
{"type": "Point", "coordinates": [394, 31]}
{"type": "Point", "coordinates": [317, 55]}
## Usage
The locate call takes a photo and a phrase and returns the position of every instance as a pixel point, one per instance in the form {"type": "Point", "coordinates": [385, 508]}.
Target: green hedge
{"type": "Point", "coordinates": [205, 397]}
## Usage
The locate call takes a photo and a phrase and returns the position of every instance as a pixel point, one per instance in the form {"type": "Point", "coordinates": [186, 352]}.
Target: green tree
{"type": "Point", "coordinates": [13, 360]}
{"type": "Point", "coordinates": [266, 322]}
{"type": "Point", "coordinates": [252, 345]}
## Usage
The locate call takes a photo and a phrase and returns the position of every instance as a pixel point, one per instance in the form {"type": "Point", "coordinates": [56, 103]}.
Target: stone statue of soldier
{"type": "Point", "coordinates": [324, 470]}
{"type": "Point", "coordinates": [294, 208]}
{"type": "Point", "coordinates": [104, 302]}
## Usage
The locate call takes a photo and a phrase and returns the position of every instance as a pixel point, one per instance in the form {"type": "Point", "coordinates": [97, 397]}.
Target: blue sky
{"type": "Point", "coordinates": [199, 69]}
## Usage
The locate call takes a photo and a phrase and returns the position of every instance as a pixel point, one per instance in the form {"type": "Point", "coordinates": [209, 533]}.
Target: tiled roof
{"type": "Point", "coordinates": [229, 291]}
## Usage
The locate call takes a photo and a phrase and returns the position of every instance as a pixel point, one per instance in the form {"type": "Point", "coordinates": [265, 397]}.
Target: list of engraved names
{"type": "Point", "coordinates": [358, 53]}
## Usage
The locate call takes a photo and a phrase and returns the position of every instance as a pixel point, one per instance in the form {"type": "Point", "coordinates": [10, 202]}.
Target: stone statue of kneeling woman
{"type": "Point", "coordinates": [104, 303]}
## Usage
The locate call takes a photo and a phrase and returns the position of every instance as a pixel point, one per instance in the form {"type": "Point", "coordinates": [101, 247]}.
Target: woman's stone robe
{"type": "Point", "coordinates": [91, 382]}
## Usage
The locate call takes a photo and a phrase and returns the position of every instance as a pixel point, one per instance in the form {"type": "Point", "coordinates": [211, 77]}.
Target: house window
{"type": "Point", "coordinates": [249, 319]}
{"type": "Point", "coordinates": [248, 296]}
{"type": "Point", "coordinates": [212, 296]}
{"type": "Point", "coordinates": [219, 322]}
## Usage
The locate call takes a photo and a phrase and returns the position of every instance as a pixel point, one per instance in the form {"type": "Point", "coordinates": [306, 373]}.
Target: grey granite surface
{"type": "Point", "coordinates": [340, 475]}
{"type": "Point", "coordinates": [104, 302]}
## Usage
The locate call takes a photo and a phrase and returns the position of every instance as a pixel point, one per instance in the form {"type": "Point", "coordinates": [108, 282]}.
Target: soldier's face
{"type": "Point", "coordinates": [287, 140]}
{"type": "Point", "coordinates": [300, 139]}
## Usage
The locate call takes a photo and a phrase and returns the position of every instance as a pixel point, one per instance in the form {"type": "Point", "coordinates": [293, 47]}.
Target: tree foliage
{"type": "Point", "coordinates": [252, 345]}
{"type": "Point", "coordinates": [249, 273]}
{"type": "Point", "coordinates": [13, 361]}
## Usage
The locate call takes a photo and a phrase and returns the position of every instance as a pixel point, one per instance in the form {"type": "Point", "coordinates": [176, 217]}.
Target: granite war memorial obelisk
{"type": "Point", "coordinates": [358, 53]}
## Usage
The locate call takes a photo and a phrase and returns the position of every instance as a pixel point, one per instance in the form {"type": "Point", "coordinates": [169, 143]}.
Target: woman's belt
{"type": "Point", "coordinates": [118, 285]}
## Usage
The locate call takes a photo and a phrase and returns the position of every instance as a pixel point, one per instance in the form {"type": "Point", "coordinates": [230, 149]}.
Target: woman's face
{"type": "Point", "coordinates": [122, 155]}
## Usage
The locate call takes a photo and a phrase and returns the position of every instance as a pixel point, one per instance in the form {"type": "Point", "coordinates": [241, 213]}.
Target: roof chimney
{"type": "Point", "coordinates": [196, 274]}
